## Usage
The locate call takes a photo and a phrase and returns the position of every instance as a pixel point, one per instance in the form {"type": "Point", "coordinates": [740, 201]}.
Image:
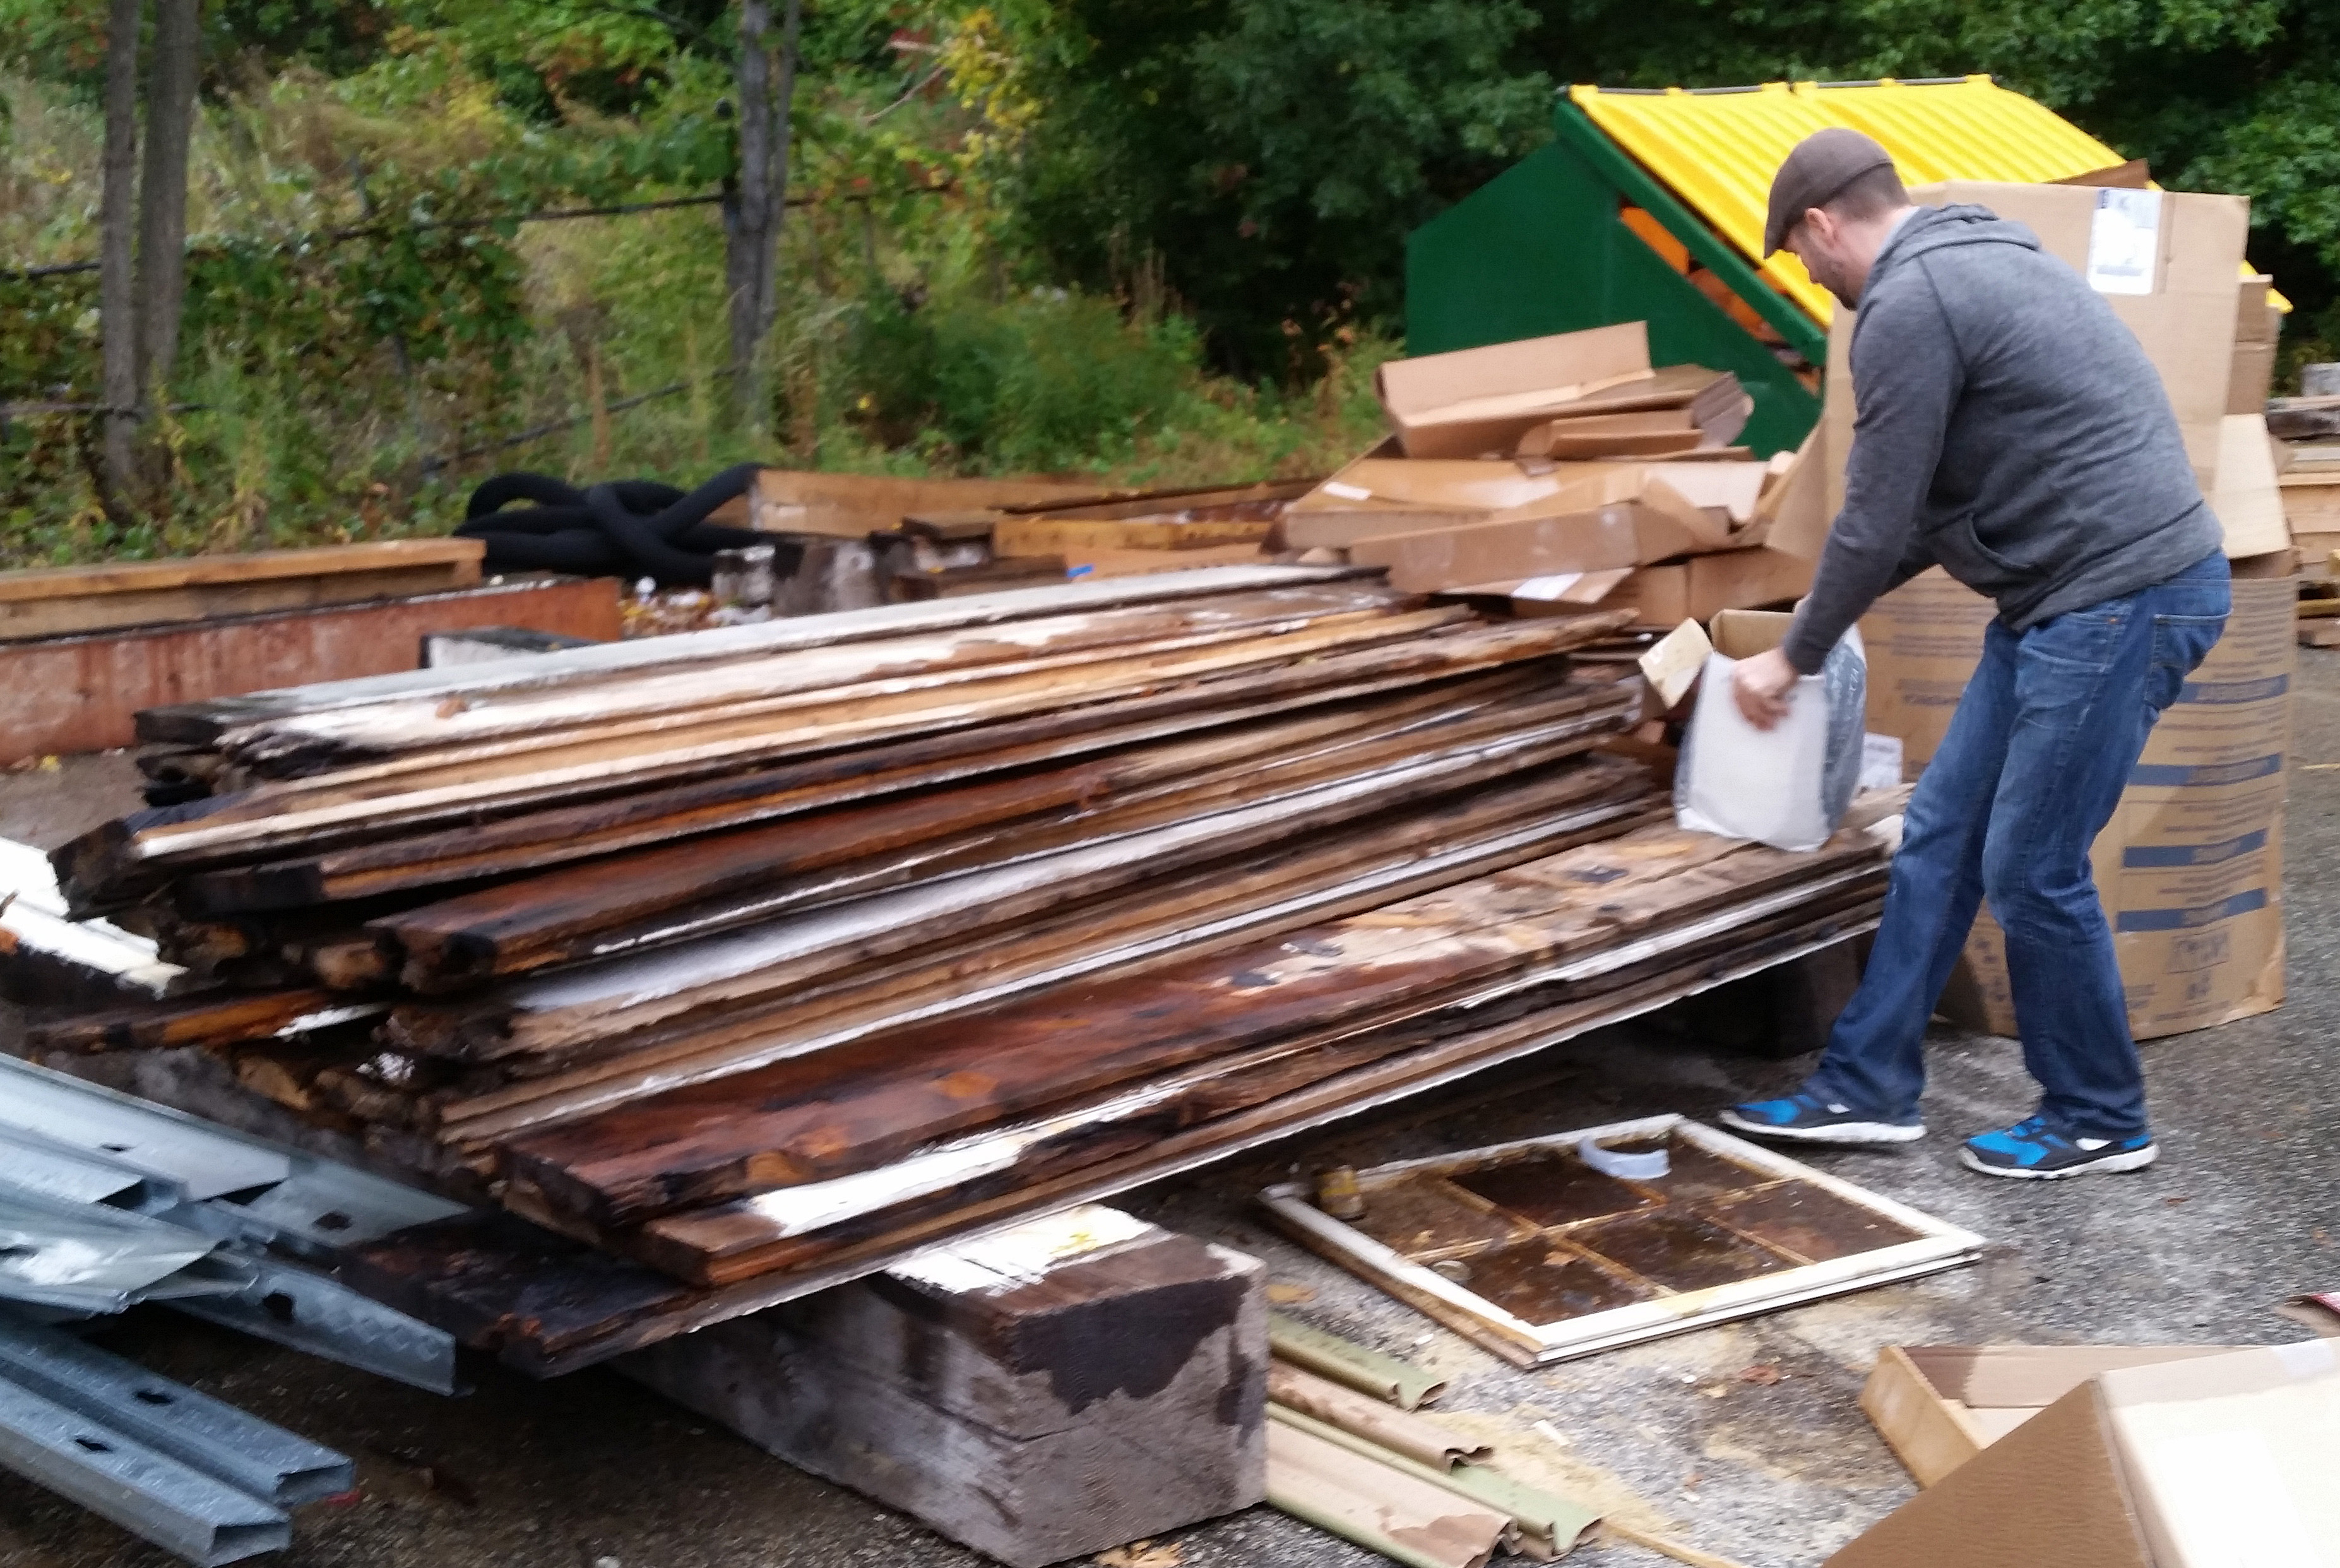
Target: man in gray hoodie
{"type": "Point", "coordinates": [2010, 430]}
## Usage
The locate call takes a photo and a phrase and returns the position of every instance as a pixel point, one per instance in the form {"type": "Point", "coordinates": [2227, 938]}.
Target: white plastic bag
{"type": "Point", "coordinates": [1788, 785]}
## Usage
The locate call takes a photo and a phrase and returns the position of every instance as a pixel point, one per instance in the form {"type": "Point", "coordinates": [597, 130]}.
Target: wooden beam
{"type": "Point", "coordinates": [62, 602]}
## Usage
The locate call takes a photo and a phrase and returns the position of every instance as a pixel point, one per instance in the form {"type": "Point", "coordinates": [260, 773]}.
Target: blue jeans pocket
{"type": "Point", "coordinates": [2180, 643]}
{"type": "Point", "coordinates": [2083, 639]}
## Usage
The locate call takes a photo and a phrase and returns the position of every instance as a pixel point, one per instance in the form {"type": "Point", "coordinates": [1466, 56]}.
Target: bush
{"type": "Point", "coordinates": [1044, 384]}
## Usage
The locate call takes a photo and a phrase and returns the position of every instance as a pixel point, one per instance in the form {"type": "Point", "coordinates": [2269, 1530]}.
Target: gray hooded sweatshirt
{"type": "Point", "coordinates": [2010, 430]}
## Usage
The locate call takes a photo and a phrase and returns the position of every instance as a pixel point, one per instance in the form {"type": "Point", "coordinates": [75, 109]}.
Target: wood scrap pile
{"type": "Point", "coordinates": [758, 958]}
{"type": "Point", "coordinates": [940, 554]}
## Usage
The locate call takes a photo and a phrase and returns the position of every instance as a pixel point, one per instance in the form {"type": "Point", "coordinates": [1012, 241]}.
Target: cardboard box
{"type": "Point", "coordinates": [1479, 403]}
{"type": "Point", "coordinates": [2203, 1462]}
{"type": "Point", "coordinates": [1696, 589]}
{"type": "Point", "coordinates": [2190, 867]}
{"type": "Point", "coordinates": [2182, 303]}
{"type": "Point", "coordinates": [1938, 1406]}
{"type": "Point", "coordinates": [1474, 402]}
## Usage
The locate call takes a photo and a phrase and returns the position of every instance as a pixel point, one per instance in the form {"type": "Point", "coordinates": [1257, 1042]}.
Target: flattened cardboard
{"type": "Point", "coordinates": [2051, 1492]}
{"type": "Point", "coordinates": [1446, 558]}
{"type": "Point", "coordinates": [1706, 424]}
{"type": "Point", "coordinates": [2231, 1459]}
{"type": "Point", "coordinates": [2257, 319]}
{"type": "Point", "coordinates": [2248, 499]}
{"type": "Point", "coordinates": [1478, 401]}
{"type": "Point", "coordinates": [1794, 510]}
{"type": "Point", "coordinates": [2252, 380]}
{"type": "Point", "coordinates": [1938, 1406]}
{"type": "Point", "coordinates": [1672, 664]}
{"type": "Point", "coordinates": [2190, 867]}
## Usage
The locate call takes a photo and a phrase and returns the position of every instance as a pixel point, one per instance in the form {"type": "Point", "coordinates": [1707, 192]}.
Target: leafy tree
{"type": "Point", "coordinates": [1272, 153]}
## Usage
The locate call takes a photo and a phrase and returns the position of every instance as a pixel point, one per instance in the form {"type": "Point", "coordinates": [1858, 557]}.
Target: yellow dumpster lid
{"type": "Point", "coordinates": [1717, 148]}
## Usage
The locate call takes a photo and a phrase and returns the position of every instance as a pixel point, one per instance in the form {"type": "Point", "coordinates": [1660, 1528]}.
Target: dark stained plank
{"type": "Point", "coordinates": [210, 1018]}
{"type": "Point", "coordinates": [853, 1108]}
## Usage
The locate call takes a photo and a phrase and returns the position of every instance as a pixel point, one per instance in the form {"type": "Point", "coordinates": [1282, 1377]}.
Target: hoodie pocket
{"type": "Point", "coordinates": [1959, 548]}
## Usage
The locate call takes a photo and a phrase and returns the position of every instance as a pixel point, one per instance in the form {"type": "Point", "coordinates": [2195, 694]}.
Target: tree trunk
{"type": "Point", "coordinates": [162, 284]}
{"type": "Point", "coordinates": [777, 183]}
{"type": "Point", "coordinates": [117, 313]}
{"type": "Point", "coordinates": [749, 214]}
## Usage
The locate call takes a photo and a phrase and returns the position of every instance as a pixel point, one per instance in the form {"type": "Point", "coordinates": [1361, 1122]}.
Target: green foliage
{"type": "Point", "coordinates": [1160, 239]}
{"type": "Point", "coordinates": [1273, 154]}
{"type": "Point", "coordinates": [1051, 382]}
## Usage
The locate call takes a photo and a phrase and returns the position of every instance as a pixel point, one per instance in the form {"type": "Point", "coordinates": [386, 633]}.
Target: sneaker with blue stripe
{"type": "Point", "coordinates": [1810, 1119]}
{"type": "Point", "coordinates": [2035, 1151]}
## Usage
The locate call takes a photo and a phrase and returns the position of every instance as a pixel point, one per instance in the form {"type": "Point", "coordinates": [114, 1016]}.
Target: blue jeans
{"type": "Point", "coordinates": [2046, 734]}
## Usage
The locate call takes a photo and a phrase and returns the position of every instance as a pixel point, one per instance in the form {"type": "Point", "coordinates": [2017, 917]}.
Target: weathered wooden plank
{"type": "Point", "coordinates": [638, 991]}
{"type": "Point", "coordinates": [70, 617]}
{"type": "Point", "coordinates": [854, 505]}
{"type": "Point", "coordinates": [79, 693]}
{"type": "Point", "coordinates": [653, 742]}
{"type": "Point", "coordinates": [315, 742]}
{"type": "Point", "coordinates": [1198, 915]}
{"type": "Point", "coordinates": [132, 576]}
{"type": "Point", "coordinates": [695, 888]}
{"type": "Point", "coordinates": [115, 864]}
{"type": "Point", "coordinates": [549, 1305]}
{"type": "Point", "coordinates": [559, 836]}
{"type": "Point", "coordinates": [1091, 1148]}
{"type": "Point", "coordinates": [202, 723]}
{"type": "Point", "coordinates": [212, 1019]}
{"type": "Point", "coordinates": [66, 600]}
{"type": "Point", "coordinates": [849, 1109]}
{"type": "Point", "coordinates": [1019, 537]}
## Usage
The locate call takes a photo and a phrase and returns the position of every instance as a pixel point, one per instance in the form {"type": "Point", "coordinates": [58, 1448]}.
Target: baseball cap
{"type": "Point", "coordinates": [1821, 166]}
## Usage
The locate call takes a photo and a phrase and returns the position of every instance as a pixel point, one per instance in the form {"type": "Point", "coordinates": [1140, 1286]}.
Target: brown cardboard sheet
{"type": "Point", "coordinates": [2248, 497]}
{"type": "Point", "coordinates": [2202, 1461]}
{"type": "Point", "coordinates": [1938, 1406]}
{"type": "Point", "coordinates": [1478, 401]}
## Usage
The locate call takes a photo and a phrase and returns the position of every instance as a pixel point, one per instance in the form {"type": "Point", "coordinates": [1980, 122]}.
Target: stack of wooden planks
{"type": "Point", "coordinates": [751, 959]}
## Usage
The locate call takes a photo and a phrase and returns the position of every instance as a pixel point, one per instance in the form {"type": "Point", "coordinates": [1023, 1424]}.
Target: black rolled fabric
{"type": "Point", "coordinates": [632, 528]}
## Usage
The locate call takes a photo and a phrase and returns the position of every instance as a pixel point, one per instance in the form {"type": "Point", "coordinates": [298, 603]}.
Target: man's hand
{"type": "Point", "coordinates": [1762, 685]}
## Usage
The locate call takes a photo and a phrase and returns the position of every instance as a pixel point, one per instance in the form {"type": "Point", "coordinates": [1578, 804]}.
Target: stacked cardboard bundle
{"type": "Point", "coordinates": [1564, 473]}
{"type": "Point", "coordinates": [751, 959]}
